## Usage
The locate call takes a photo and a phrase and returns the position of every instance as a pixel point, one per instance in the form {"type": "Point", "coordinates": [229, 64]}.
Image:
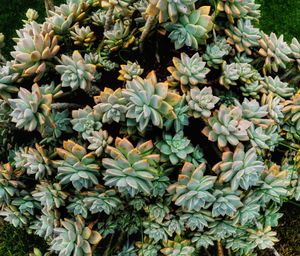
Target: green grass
{"type": "Point", "coordinates": [16, 242]}
{"type": "Point", "coordinates": [281, 17]}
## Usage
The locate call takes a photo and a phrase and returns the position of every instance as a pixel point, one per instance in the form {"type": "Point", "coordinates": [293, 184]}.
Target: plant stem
{"type": "Point", "coordinates": [119, 241]}
{"type": "Point", "coordinates": [288, 146]}
{"type": "Point", "coordinates": [107, 250]}
{"type": "Point", "coordinates": [64, 105]}
{"type": "Point", "coordinates": [229, 252]}
{"type": "Point", "coordinates": [287, 73]}
{"type": "Point", "coordinates": [207, 252]}
{"type": "Point", "coordinates": [148, 26]}
{"type": "Point", "coordinates": [275, 251]}
{"type": "Point", "coordinates": [49, 6]}
{"type": "Point", "coordinates": [220, 248]}
{"type": "Point", "coordinates": [2, 58]}
{"type": "Point", "coordinates": [108, 18]}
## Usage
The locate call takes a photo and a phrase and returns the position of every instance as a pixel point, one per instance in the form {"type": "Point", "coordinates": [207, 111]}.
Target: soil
{"type": "Point", "coordinates": [288, 232]}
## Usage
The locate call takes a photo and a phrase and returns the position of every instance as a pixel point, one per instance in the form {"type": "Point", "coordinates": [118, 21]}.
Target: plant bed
{"type": "Point", "coordinates": [150, 128]}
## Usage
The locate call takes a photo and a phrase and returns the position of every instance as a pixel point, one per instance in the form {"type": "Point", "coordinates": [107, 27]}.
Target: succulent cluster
{"type": "Point", "coordinates": [115, 143]}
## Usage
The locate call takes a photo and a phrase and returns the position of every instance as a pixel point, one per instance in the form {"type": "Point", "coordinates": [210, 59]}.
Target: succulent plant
{"type": "Point", "coordinates": [276, 86]}
{"type": "Point", "coordinates": [121, 7]}
{"type": "Point", "coordinates": [31, 15]}
{"type": "Point", "coordinates": [99, 140]}
{"type": "Point", "coordinates": [45, 224]}
{"type": "Point", "coordinates": [7, 78]}
{"type": "Point", "coordinates": [216, 51]}
{"type": "Point", "coordinates": [170, 10]}
{"type": "Point", "coordinates": [82, 36]}
{"type": "Point", "coordinates": [75, 8]}
{"type": "Point", "coordinates": [201, 240]}
{"type": "Point", "coordinates": [274, 107]}
{"type": "Point", "coordinates": [155, 231]}
{"type": "Point", "coordinates": [118, 37]}
{"type": "Point", "coordinates": [295, 48]}
{"type": "Point", "coordinates": [85, 121]}
{"type": "Point", "coordinates": [263, 237]}
{"type": "Point", "coordinates": [240, 244]}
{"type": "Point", "coordinates": [273, 185]}
{"type": "Point", "coordinates": [74, 238]}
{"type": "Point", "coordinates": [191, 30]}
{"type": "Point", "coordinates": [130, 71]}
{"type": "Point", "coordinates": [249, 212]}
{"type": "Point", "coordinates": [243, 36]}
{"type": "Point", "coordinates": [130, 169]}
{"type": "Point", "coordinates": [8, 183]}
{"type": "Point", "coordinates": [256, 113]}
{"type": "Point", "coordinates": [236, 71]}
{"type": "Point", "coordinates": [127, 250]}
{"type": "Point", "coordinates": [35, 46]}
{"type": "Point", "coordinates": [111, 105]}
{"type": "Point", "coordinates": [275, 51]}
{"type": "Point", "coordinates": [272, 215]}
{"type": "Point", "coordinates": [242, 58]}
{"type": "Point", "coordinates": [189, 71]}
{"type": "Point", "coordinates": [242, 168]}
{"type": "Point", "coordinates": [149, 101]}
{"type": "Point", "coordinates": [196, 221]}
{"type": "Point", "coordinates": [259, 138]}
{"type": "Point", "coordinates": [157, 212]}
{"type": "Point", "coordinates": [175, 148]}
{"type": "Point", "coordinates": [60, 23]}
{"type": "Point", "coordinates": [197, 157]}
{"type": "Point", "coordinates": [292, 110]}
{"type": "Point", "coordinates": [101, 201]}
{"type": "Point", "coordinates": [53, 89]}
{"type": "Point", "coordinates": [177, 248]}
{"type": "Point", "coordinates": [237, 9]}
{"type": "Point", "coordinates": [58, 124]}
{"type": "Point", "coordinates": [77, 167]}
{"type": "Point", "coordinates": [181, 110]}
{"type": "Point", "coordinates": [30, 109]}
{"type": "Point", "coordinates": [75, 73]}
{"type": "Point", "coordinates": [36, 162]}
{"type": "Point", "coordinates": [227, 126]}
{"type": "Point", "coordinates": [193, 190]}
{"type": "Point", "coordinates": [148, 247]}
{"type": "Point", "coordinates": [26, 203]}
{"type": "Point", "coordinates": [248, 73]}
{"type": "Point", "coordinates": [252, 90]}
{"type": "Point", "coordinates": [226, 202]}
{"type": "Point", "coordinates": [77, 206]}
{"type": "Point", "coordinates": [222, 229]}
{"type": "Point", "coordinates": [107, 64]}
{"type": "Point", "coordinates": [201, 102]}
{"type": "Point", "coordinates": [49, 195]}
{"type": "Point", "coordinates": [13, 216]}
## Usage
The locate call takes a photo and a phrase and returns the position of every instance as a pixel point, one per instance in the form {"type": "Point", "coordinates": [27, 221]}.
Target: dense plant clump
{"type": "Point", "coordinates": [135, 127]}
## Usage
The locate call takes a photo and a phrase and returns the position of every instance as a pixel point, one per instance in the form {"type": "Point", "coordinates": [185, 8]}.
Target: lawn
{"type": "Point", "coordinates": [281, 17]}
